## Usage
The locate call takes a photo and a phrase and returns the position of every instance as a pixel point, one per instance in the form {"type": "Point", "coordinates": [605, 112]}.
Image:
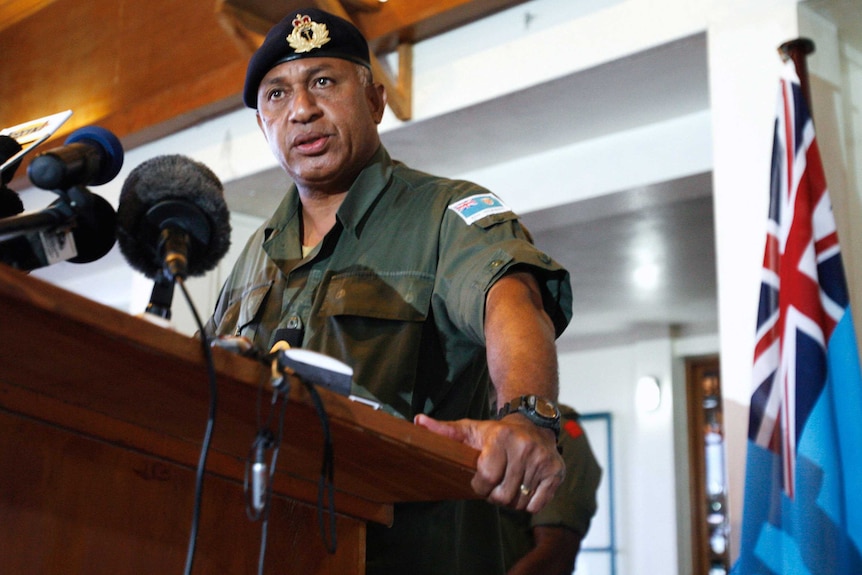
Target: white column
{"type": "Point", "coordinates": [743, 37]}
{"type": "Point", "coordinates": [650, 486]}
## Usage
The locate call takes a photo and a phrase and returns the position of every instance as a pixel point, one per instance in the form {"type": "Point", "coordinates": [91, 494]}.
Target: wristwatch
{"type": "Point", "coordinates": [542, 412]}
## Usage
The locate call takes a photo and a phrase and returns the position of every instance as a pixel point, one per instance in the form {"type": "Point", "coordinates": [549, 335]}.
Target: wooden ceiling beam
{"type": "Point", "coordinates": [399, 85]}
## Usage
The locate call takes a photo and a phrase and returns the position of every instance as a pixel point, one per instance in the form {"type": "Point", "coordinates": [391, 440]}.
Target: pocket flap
{"type": "Point", "coordinates": [395, 296]}
{"type": "Point", "coordinates": [251, 302]}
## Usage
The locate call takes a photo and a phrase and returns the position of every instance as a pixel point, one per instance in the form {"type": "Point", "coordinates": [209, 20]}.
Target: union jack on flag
{"type": "Point", "coordinates": [802, 511]}
{"type": "Point", "coordinates": [798, 309]}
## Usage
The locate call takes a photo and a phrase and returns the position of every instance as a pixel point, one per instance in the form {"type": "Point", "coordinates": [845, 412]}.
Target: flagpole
{"type": "Point", "coordinates": [798, 50]}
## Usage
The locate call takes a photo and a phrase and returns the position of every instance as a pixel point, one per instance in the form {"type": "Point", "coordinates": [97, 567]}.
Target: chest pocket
{"type": "Point", "coordinates": [252, 302]}
{"type": "Point", "coordinates": [243, 314]}
{"type": "Point", "coordinates": [394, 296]}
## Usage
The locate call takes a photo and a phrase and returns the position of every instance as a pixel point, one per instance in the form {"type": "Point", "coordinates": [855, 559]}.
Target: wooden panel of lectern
{"type": "Point", "coordinates": [102, 417]}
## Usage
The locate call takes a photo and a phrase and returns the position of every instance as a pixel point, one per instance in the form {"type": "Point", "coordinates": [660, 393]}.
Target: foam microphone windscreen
{"type": "Point", "coordinates": [94, 231]}
{"type": "Point", "coordinates": [176, 185]}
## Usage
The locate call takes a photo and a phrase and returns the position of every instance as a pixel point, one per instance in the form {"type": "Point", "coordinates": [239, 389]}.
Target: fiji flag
{"type": "Point", "coordinates": [802, 512]}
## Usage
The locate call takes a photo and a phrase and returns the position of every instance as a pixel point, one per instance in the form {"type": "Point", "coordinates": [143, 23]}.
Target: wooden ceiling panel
{"type": "Point", "coordinates": [13, 11]}
{"type": "Point", "coordinates": [139, 69]}
{"type": "Point", "coordinates": [146, 69]}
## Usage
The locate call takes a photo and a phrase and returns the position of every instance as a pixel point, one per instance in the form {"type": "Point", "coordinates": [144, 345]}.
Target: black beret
{"type": "Point", "coordinates": [308, 33]}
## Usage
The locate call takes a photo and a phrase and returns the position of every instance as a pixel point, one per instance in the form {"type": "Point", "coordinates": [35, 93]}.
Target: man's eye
{"type": "Point", "coordinates": [324, 81]}
{"type": "Point", "coordinates": [275, 94]}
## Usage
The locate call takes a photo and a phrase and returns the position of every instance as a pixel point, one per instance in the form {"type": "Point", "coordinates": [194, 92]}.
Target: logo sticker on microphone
{"type": "Point", "coordinates": [58, 246]}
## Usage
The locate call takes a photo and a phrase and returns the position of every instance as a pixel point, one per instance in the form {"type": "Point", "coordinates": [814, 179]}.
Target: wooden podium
{"type": "Point", "coordinates": [102, 417]}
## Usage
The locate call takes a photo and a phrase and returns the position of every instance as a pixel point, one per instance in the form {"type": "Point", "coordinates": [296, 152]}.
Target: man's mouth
{"type": "Point", "coordinates": [311, 143]}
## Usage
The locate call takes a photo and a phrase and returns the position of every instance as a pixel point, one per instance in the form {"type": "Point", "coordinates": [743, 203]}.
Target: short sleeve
{"type": "Point", "coordinates": [476, 252]}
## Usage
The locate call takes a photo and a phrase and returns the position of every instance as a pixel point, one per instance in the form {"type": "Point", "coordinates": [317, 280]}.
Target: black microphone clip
{"type": "Point", "coordinates": [161, 297]}
{"type": "Point", "coordinates": [184, 231]}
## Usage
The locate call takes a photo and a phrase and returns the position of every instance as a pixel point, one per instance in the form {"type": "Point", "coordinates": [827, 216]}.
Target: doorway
{"type": "Point", "coordinates": [708, 480]}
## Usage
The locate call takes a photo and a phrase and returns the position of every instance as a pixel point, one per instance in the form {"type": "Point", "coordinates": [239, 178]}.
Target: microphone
{"type": "Point", "coordinates": [315, 368]}
{"type": "Point", "coordinates": [10, 201]}
{"type": "Point", "coordinates": [90, 156]}
{"type": "Point", "coordinates": [78, 227]}
{"type": "Point", "coordinates": [172, 218]}
{"type": "Point", "coordinates": [29, 134]}
{"type": "Point", "coordinates": [9, 146]}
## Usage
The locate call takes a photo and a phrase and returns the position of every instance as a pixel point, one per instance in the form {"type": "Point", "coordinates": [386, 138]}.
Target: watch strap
{"type": "Point", "coordinates": [526, 405]}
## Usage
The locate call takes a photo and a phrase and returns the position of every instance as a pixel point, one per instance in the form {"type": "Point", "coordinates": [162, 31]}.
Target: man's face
{"type": "Point", "coordinates": [320, 121]}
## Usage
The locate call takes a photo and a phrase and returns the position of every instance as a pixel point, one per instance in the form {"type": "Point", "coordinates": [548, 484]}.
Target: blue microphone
{"type": "Point", "coordinates": [90, 156]}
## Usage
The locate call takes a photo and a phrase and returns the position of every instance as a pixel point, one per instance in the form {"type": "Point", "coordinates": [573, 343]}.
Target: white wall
{"type": "Point", "coordinates": [835, 69]}
{"type": "Point", "coordinates": [603, 380]}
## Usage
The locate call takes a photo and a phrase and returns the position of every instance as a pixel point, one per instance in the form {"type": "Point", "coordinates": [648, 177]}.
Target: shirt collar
{"type": "Point", "coordinates": [282, 228]}
{"type": "Point", "coordinates": [281, 234]}
{"type": "Point", "coordinates": [363, 194]}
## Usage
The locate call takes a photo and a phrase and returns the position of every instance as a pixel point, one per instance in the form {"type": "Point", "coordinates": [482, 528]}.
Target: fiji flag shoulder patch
{"type": "Point", "coordinates": [476, 207]}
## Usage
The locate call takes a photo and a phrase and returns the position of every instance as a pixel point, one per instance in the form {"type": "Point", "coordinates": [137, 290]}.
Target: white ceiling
{"type": "Point", "coordinates": [600, 240]}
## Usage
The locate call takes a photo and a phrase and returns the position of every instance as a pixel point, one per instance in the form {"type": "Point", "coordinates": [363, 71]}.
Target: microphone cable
{"type": "Point", "coordinates": [202, 460]}
{"type": "Point", "coordinates": [260, 476]}
{"type": "Point", "coordinates": [326, 481]}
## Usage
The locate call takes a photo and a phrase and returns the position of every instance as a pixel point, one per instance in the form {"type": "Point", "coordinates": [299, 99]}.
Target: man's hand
{"type": "Point", "coordinates": [514, 453]}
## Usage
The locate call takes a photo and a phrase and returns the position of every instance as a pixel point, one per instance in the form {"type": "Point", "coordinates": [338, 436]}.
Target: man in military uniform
{"type": "Point", "coordinates": [425, 286]}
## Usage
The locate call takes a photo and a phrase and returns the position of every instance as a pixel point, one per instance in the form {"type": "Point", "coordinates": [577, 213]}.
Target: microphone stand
{"type": "Point", "coordinates": [162, 296]}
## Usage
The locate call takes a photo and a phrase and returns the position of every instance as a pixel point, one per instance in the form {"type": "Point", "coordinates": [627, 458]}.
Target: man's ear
{"type": "Point", "coordinates": [260, 124]}
{"type": "Point", "coordinates": [376, 94]}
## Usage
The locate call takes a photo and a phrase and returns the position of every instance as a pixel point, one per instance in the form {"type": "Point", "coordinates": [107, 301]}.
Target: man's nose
{"type": "Point", "coordinates": [304, 106]}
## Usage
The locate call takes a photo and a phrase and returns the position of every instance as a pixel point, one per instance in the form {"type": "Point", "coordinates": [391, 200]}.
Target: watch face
{"type": "Point", "coordinates": [545, 408]}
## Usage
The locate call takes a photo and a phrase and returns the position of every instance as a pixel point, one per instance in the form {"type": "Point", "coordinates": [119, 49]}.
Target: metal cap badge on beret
{"type": "Point", "coordinates": [308, 33]}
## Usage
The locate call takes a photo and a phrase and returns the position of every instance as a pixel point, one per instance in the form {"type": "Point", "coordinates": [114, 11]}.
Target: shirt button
{"type": "Point", "coordinates": [496, 264]}
{"type": "Point", "coordinates": [340, 293]}
{"type": "Point", "coordinates": [294, 322]}
{"type": "Point", "coordinates": [545, 258]}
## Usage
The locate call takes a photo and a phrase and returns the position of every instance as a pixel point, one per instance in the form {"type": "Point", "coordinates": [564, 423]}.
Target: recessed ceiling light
{"type": "Point", "coordinates": [646, 276]}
